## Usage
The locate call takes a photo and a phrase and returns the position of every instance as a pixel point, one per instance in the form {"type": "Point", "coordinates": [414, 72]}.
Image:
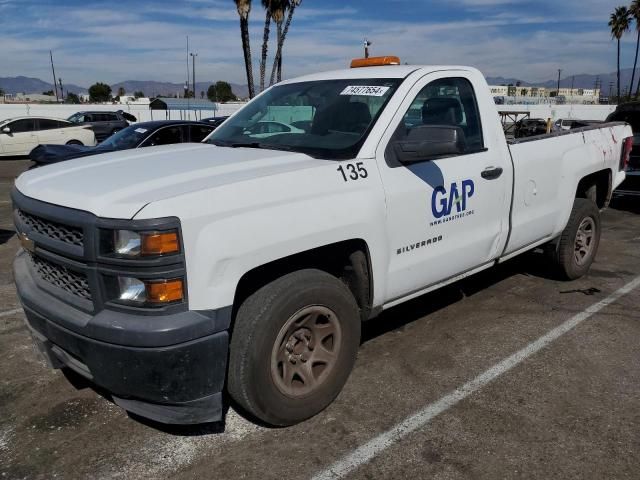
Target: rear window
{"type": "Point", "coordinates": [199, 132]}
{"type": "Point", "coordinates": [47, 124]}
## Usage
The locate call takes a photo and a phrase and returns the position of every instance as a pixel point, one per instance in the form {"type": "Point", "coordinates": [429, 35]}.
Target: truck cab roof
{"type": "Point", "coordinates": [387, 71]}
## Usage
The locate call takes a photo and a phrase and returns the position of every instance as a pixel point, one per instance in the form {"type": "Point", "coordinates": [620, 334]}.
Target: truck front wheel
{"type": "Point", "coordinates": [293, 346]}
{"type": "Point", "coordinates": [577, 246]}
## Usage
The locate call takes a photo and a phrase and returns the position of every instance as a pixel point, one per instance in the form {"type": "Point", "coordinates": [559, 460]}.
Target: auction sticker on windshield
{"type": "Point", "coordinates": [141, 130]}
{"type": "Point", "coordinates": [364, 90]}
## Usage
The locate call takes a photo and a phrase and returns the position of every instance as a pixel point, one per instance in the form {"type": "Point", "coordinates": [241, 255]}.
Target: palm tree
{"type": "Point", "coordinates": [619, 24]}
{"type": "Point", "coordinates": [292, 8]}
{"type": "Point", "coordinates": [278, 12]}
{"type": "Point", "coordinates": [278, 60]}
{"type": "Point", "coordinates": [268, 5]}
{"type": "Point", "coordinates": [244, 8]}
{"type": "Point", "coordinates": [635, 13]}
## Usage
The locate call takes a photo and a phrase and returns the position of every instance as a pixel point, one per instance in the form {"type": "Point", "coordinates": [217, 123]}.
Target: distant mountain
{"type": "Point", "coordinates": [15, 85]}
{"type": "Point", "coordinates": [578, 81]}
{"type": "Point", "coordinates": [506, 81]}
{"type": "Point", "coordinates": [151, 88]}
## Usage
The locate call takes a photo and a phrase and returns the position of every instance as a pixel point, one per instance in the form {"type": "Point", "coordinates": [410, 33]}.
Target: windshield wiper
{"type": "Point", "coordinates": [266, 146]}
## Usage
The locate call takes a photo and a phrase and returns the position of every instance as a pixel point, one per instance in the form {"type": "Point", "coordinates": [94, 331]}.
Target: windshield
{"type": "Point", "coordinates": [325, 119]}
{"type": "Point", "coordinates": [76, 118]}
{"type": "Point", "coordinates": [129, 137]}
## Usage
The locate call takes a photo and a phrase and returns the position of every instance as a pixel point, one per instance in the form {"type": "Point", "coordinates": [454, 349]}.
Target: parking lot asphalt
{"type": "Point", "coordinates": [569, 409]}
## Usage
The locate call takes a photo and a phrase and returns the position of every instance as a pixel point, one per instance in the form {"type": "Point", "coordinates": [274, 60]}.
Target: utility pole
{"type": "Point", "coordinates": [610, 91]}
{"type": "Point", "coordinates": [367, 44]}
{"type": "Point", "coordinates": [193, 60]}
{"type": "Point", "coordinates": [187, 83]}
{"type": "Point", "coordinates": [55, 85]}
{"type": "Point", "coordinates": [559, 73]}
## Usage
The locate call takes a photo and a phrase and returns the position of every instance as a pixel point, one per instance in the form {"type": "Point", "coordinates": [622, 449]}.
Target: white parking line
{"type": "Point", "coordinates": [373, 447]}
{"type": "Point", "coordinates": [10, 312]}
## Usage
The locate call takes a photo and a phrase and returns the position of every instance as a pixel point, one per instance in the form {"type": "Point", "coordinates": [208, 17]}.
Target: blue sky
{"type": "Point", "coordinates": [145, 40]}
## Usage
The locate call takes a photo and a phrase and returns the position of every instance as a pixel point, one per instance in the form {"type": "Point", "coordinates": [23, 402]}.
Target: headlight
{"type": "Point", "coordinates": [156, 292]}
{"type": "Point", "coordinates": [140, 244]}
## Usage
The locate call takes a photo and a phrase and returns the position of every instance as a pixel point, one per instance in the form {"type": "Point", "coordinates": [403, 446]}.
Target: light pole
{"type": "Point", "coordinates": [610, 91]}
{"type": "Point", "coordinates": [559, 73]}
{"type": "Point", "coordinates": [55, 85]}
{"type": "Point", "coordinates": [193, 60]}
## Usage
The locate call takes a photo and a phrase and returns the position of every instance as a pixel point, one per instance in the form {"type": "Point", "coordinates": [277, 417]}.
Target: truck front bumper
{"type": "Point", "coordinates": [174, 382]}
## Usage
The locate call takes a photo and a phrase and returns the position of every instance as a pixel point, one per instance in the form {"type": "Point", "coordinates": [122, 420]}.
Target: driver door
{"type": "Point", "coordinates": [446, 214]}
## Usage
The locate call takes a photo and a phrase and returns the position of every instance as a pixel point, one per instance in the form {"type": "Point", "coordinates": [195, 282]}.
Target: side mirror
{"type": "Point", "coordinates": [428, 142]}
{"type": "Point", "coordinates": [6, 130]}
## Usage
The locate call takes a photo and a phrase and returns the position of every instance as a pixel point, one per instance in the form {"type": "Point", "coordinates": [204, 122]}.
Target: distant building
{"type": "Point", "coordinates": [132, 100]}
{"type": "Point", "coordinates": [31, 97]}
{"type": "Point", "coordinates": [501, 91]}
{"type": "Point", "coordinates": [570, 95]}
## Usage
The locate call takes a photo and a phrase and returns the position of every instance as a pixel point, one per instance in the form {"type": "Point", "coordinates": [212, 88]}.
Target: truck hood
{"type": "Point", "coordinates": [119, 184]}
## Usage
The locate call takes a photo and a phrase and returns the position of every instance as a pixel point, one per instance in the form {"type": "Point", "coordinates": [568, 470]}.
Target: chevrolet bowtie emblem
{"type": "Point", "coordinates": [26, 242]}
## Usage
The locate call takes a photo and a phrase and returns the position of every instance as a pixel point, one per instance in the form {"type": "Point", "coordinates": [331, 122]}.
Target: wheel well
{"type": "Point", "coordinates": [348, 260]}
{"type": "Point", "coordinates": [596, 187]}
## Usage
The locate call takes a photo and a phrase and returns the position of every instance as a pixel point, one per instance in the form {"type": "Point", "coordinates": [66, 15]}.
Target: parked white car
{"type": "Point", "coordinates": [18, 136]}
{"type": "Point", "coordinates": [269, 128]}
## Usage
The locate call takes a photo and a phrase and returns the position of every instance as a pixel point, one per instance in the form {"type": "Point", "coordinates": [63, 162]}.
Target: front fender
{"type": "Point", "coordinates": [233, 229]}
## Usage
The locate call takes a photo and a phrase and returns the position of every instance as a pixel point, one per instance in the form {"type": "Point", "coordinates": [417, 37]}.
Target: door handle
{"type": "Point", "coordinates": [491, 173]}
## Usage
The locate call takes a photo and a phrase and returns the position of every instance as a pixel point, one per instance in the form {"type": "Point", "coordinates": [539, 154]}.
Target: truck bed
{"type": "Point", "coordinates": [546, 171]}
{"type": "Point", "coordinates": [563, 133]}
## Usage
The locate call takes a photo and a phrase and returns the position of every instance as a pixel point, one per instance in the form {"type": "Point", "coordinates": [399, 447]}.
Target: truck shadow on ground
{"type": "Point", "coordinates": [629, 204]}
{"type": "Point", "coordinates": [5, 235]}
{"type": "Point", "coordinates": [530, 264]}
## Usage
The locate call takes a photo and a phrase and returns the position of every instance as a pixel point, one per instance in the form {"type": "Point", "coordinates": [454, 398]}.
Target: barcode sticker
{"type": "Point", "coordinates": [141, 130]}
{"type": "Point", "coordinates": [365, 90]}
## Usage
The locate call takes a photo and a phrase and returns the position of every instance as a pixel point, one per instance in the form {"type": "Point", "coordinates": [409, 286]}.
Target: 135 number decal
{"type": "Point", "coordinates": [352, 171]}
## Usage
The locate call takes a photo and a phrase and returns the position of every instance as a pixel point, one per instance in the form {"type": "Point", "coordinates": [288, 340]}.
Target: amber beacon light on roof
{"type": "Point", "coordinates": [374, 61]}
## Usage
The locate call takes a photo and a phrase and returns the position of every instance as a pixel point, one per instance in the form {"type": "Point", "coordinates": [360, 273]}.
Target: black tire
{"type": "Point", "coordinates": [565, 254]}
{"type": "Point", "coordinates": [255, 376]}
{"type": "Point", "coordinates": [75, 142]}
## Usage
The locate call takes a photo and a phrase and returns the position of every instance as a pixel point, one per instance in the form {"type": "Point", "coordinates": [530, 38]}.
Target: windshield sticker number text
{"type": "Point", "coordinates": [365, 90]}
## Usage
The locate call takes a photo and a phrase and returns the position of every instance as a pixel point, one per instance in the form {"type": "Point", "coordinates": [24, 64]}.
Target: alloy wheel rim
{"type": "Point", "coordinates": [584, 242]}
{"type": "Point", "coordinates": [306, 351]}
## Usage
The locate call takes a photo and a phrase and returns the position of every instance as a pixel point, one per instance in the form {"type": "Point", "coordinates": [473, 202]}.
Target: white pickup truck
{"type": "Point", "coordinates": [169, 275]}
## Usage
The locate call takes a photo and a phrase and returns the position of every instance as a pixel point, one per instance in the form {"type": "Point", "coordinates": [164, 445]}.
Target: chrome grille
{"type": "Point", "coordinates": [61, 277]}
{"type": "Point", "coordinates": [57, 231]}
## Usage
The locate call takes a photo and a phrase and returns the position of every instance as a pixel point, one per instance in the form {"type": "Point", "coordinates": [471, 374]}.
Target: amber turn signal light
{"type": "Point", "coordinates": [160, 243]}
{"type": "Point", "coordinates": [164, 292]}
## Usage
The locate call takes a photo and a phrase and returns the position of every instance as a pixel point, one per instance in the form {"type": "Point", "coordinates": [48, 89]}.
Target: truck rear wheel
{"type": "Point", "coordinates": [577, 247]}
{"type": "Point", "coordinates": [293, 347]}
